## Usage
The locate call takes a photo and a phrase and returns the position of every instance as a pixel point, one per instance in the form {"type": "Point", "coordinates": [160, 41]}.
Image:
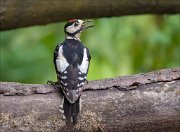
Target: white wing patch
{"type": "Point", "coordinates": [61, 62]}
{"type": "Point", "coordinates": [85, 63]}
{"type": "Point", "coordinates": [81, 78]}
{"type": "Point", "coordinates": [81, 84]}
{"type": "Point", "coordinates": [64, 77]}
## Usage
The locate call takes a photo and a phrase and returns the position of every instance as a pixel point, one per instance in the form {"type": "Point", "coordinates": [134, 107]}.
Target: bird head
{"type": "Point", "coordinates": [73, 28]}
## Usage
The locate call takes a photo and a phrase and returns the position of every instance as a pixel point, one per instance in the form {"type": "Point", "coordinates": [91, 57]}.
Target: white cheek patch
{"type": "Point", "coordinates": [85, 63]}
{"type": "Point", "coordinates": [72, 28]}
{"type": "Point", "coordinates": [61, 62]}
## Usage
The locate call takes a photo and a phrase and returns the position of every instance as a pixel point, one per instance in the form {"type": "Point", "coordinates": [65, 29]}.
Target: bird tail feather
{"type": "Point", "coordinates": [71, 110]}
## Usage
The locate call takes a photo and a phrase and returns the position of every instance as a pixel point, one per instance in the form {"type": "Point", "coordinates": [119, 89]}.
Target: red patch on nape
{"type": "Point", "coordinates": [73, 20]}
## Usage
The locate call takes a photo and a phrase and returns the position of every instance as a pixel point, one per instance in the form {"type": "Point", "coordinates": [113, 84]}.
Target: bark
{"type": "Point", "coordinates": [22, 13]}
{"type": "Point", "coordinates": [142, 102]}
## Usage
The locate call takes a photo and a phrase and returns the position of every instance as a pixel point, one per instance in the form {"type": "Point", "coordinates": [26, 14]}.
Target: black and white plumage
{"type": "Point", "coordinates": [71, 60]}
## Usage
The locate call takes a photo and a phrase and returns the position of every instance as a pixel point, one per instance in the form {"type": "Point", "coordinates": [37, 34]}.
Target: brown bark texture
{"type": "Point", "coordinates": [22, 13]}
{"type": "Point", "coordinates": [141, 102]}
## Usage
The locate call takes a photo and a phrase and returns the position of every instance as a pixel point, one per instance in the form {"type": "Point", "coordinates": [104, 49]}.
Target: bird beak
{"type": "Point", "coordinates": [87, 24]}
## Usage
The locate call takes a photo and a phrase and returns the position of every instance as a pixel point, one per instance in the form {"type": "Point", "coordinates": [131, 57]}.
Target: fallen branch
{"type": "Point", "coordinates": [152, 105]}
{"type": "Point", "coordinates": [122, 83]}
{"type": "Point", "coordinates": [15, 13]}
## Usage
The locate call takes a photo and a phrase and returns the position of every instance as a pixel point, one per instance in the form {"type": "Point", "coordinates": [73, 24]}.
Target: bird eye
{"type": "Point", "coordinates": [76, 24]}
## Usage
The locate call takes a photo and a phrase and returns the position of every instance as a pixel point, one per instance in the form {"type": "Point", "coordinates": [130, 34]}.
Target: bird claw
{"type": "Point", "coordinates": [86, 82]}
{"type": "Point", "coordinates": [54, 84]}
{"type": "Point", "coordinates": [50, 82]}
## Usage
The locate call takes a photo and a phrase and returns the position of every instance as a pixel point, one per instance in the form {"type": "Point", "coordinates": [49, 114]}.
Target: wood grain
{"type": "Point", "coordinates": [151, 105]}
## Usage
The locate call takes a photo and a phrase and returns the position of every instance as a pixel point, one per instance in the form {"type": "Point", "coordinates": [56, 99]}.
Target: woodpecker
{"type": "Point", "coordinates": [71, 60]}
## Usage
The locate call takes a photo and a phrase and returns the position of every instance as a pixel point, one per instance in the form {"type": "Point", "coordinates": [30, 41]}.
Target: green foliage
{"type": "Point", "coordinates": [118, 46]}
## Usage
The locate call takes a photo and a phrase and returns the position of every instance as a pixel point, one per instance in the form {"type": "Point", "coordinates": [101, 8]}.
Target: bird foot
{"type": "Point", "coordinates": [54, 84]}
{"type": "Point", "coordinates": [86, 82]}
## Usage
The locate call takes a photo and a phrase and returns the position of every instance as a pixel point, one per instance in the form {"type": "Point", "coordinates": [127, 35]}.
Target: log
{"type": "Point", "coordinates": [142, 102]}
{"type": "Point", "coordinates": [22, 13]}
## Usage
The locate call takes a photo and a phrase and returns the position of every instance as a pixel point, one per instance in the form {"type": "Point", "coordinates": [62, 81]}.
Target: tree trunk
{"type": "Point", "coordinates": [22, 13]}
{"type": "Point", "coordinates": [142, 102]}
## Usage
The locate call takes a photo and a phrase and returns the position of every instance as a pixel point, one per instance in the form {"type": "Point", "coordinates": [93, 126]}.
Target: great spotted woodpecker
{"type": "Point", "coordinates": [71, 60]}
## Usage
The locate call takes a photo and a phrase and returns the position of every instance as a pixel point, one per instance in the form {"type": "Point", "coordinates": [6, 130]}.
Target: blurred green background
{"type": "Point", "coordinates": [118, 46]}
